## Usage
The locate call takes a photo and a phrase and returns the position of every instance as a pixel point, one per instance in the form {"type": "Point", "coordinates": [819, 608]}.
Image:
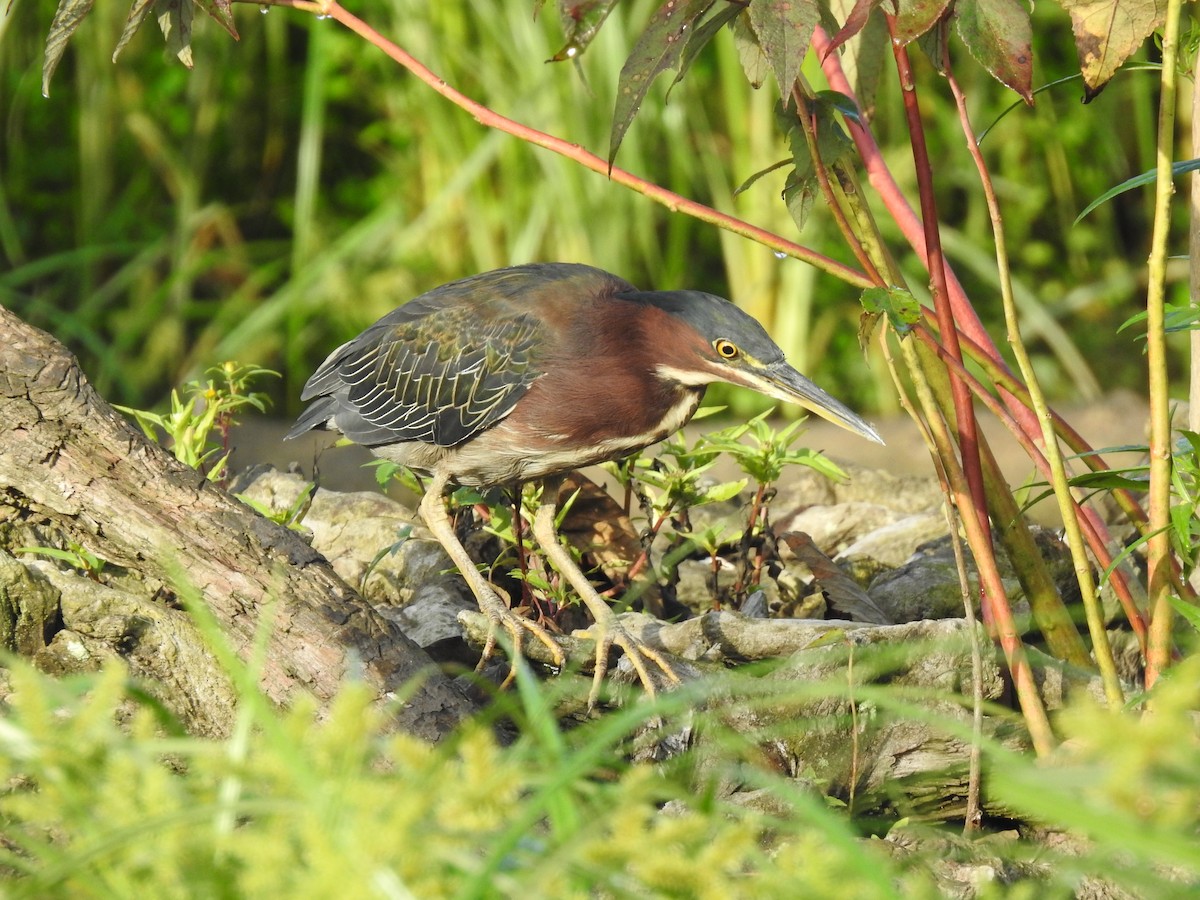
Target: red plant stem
{"type": "Point", "coordinates": [880, 178]}
{"type": "Point", "coordinates": [968, 427]}
{"type": "Point", "coordinates": [573, 152]}
{"type": "Point", "coordinates": [1097, 538]}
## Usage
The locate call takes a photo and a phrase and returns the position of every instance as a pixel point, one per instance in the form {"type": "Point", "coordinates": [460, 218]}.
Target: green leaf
{"type": "Point", "coordinates": [1187, 611]}
{"type": "Point", "coordinates": [138, 13]}
{"type": "Point", "coordinates": [719, 493]}
{"type": "Point", "coordinates": [798, 193]}
{"type": "Point", "coordinates": [66, 19]}
{"type": "Point", "coordinates": [657, 50]}
{"type": "Point", "coordinates": [581, 20]}
{"type": "Point", "coordinates": [1108, 31]}
{"type": "Point", "coordinates": [700, 38]}
{"type": "Point", "coordinates": [865, 54]}
{"type": "Point", "coordinates": [836, 101]}
{"type": "Point", "coordinates": [900, 306]}
{"type": "Point", "coordinates": [1177, 318]}
{"type": "Point", "coordinates": [774, 167]}
{"type": "Point", "coordinates": [175, 21]}
{"type": "Point", "coordinates": [999, 35]}
{"type": "Point", "coordinates": [221, 12]}
{"type": "Point", "coordinates": [784, 29]}
{"type": "Point", "coordinates": [750, 52]}
{"type": "Point", "coordinates": [1177, 169]}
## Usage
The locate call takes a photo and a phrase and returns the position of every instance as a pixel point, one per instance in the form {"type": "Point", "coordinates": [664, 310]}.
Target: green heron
{"type": "Point", "coordinates": [529, 372]}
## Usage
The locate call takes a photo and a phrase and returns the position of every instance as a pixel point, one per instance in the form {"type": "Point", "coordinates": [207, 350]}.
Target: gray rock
{"type": "Point", "coordinates": [379, 547]}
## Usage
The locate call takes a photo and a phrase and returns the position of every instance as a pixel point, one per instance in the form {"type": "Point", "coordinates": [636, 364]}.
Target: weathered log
{"type": "Point", "coordinates": [73, 470]}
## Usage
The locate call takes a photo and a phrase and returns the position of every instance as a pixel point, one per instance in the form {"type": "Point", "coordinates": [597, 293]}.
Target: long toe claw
{"type": "Point", "coordinates": [652, 666]}
{"type": "Point", "coordinates": [499, 615]}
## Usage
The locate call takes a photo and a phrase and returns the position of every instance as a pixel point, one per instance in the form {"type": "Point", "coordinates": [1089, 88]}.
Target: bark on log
{"type": "Point", "coordinates": [72, 466]}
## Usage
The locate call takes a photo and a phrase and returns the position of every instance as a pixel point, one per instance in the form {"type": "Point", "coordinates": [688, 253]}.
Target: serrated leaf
{"type": "Point", "coordinates": [855, 21]}
{"type": "Point", "coordinates": [221, 12]}
{"type": "Point", "coordinates": [658, 49]}
{"type": "Point", "coordinates": [1108, 31]}
{"type": "Point", "coordinates": [864, 55]}
{"type": "Point", "coordinates": [750, 52]}
{"type": "Point", "coordinates": [138, 14]}
{"type": "Point", "coordinates": [175, 21]}
{"type": "Point", "coordinates": [581, 21]}
{"type": "Point", "coordinates": [66, 19]}
{"type": "Point", "coordinates": [915, 17]}
{"type": "Point", "coordinates": [999, 35]}
{"type": "Point", "coordinates": [784, 29]}
{"type": "Point", "coordinates": [798, 194]}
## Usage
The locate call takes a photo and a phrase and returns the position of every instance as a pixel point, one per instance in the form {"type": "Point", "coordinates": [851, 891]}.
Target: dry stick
{"type": "Point", "coordinates": [1102, 651]}
{"type": "Point", "coordinates": [989, 578]}
{"type": "Point", "coordinates": [1158, 545]}
{"type": "Point", "coordinates": [574, 152]}
{"type": "Point", "coordinates": [964, 413]}
{"type": "Point", "coordinates": [973, 815]}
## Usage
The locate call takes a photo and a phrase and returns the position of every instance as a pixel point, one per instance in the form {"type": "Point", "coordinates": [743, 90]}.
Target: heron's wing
{"type": "Point", "coordinates": [440, 375]}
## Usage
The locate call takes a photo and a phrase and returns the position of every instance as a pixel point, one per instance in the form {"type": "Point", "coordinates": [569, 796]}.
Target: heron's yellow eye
{"type": "Point", "coordinates": [725, 349]}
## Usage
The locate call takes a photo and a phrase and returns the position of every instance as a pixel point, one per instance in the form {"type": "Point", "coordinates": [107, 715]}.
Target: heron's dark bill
{"type": "Point", "coordinates": [790, 386]}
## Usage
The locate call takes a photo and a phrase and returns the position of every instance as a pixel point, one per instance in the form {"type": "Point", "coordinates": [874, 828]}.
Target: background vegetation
{"type": "Point", "coordinates": [296, 185]}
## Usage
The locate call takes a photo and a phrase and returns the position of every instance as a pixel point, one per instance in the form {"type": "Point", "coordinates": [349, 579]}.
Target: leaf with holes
{"type": "Point", "coordinates": [657, 50]}
{"type": "Point", "coordinates": [581, 20]}
{"type": "Point", "coordinates": [999, 35]}
{"type": "Point", "coordinates": [784, 29]}
{"type": "Point", "coordinates": [66, 19]}
{"type": "Point", "coordinates": [1108, 31]}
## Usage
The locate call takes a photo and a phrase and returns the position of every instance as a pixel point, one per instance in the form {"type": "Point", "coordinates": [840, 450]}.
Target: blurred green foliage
{"type": "Point", "coordinates": [298, 184]}
{"type": "Point", "coordinates": [105, 797]}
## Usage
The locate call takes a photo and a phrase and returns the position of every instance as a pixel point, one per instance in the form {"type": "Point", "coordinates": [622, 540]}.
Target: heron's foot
{"type": "Point", "coordinates": [653, 667]}
{"type": "Point", "coordinates": [500, 616]}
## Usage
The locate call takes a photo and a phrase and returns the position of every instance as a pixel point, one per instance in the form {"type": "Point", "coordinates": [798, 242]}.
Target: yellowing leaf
{"type": "Point", "coordinates": [1108, 31]}
{"type": "Point", "coordinates": [175, 20]}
